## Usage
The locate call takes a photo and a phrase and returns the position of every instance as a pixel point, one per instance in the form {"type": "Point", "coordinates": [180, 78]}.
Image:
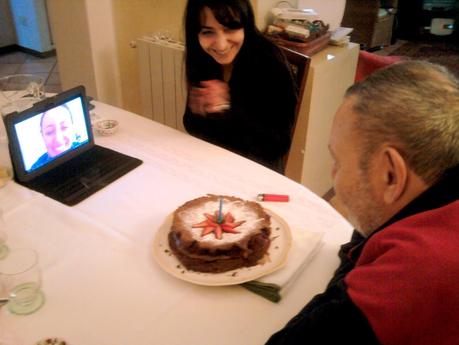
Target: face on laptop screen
{"type": "Point", "coordinates": [51, 134]}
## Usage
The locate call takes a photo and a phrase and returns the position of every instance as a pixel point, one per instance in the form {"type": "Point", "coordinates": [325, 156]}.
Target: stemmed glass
{"type": "Point", "coordinates": [20, 91]}
{"type": "Point", "coordinates": [20, 279]}
{"type": "Point", "coordinates": [3, 246]}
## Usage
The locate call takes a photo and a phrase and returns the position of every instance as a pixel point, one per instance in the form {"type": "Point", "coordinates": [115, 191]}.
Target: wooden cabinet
{"type": "Point", "coordinates": [372, 20]}
{"type": "Point", "coordinates": [331, 72]}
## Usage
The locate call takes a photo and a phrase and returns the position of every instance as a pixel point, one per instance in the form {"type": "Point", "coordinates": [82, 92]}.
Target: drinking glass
{"type": "Point", "coordinates": [3, 246]}
{"type": "Point", "coordinates": [20, 91]}
{"type": "Point", "coordinates": [20, 279]}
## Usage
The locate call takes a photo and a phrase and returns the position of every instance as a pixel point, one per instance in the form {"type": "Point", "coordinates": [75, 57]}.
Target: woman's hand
{"type": "Point", "coordinates": [212, 97]}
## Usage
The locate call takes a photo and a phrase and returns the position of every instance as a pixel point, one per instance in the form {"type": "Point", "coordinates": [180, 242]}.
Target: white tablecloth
{"type": "Point", "coordinates": [101, 283]}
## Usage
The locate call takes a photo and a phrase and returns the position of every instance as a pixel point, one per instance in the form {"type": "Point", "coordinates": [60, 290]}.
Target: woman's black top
{"type": "Point", "coordinates": [263, 99]}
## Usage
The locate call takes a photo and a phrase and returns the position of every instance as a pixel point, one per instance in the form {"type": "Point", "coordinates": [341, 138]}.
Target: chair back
{"type": "Point", "coordinates": [370, 62]}
{"type": "Point", "coordinates": [300, 67]}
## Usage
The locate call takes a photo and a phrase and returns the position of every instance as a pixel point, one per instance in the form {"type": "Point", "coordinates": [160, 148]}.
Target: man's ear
{"type": "Point", "coordinates": [395, 174]}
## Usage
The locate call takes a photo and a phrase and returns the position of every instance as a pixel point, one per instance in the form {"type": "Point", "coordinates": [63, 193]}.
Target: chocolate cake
{"type": "Point", "coordinates": [219, 233]}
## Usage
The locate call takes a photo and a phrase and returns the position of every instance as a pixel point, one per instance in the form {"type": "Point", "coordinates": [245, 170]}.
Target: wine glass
{"type": "Point", "coordinates": [3, 246]}
{"type": "Point", "coordinates": [20, 91]}
{"type": "Point", "coordinates": [20, 279]}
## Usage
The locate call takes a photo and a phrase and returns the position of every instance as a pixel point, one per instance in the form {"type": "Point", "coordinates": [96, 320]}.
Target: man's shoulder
{"type": "Point", "coordinates": [425, 243]}
{"type": "Point", "coordinates": [439, 216]}
{"type": "Point", "coordinates": [422, 231]}
{"type": "Point", "coordinates": [404, 270]}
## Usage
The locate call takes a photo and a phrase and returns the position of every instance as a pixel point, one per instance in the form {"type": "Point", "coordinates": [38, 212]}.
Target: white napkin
{"type": "Point", "coordinates": [305, 245]}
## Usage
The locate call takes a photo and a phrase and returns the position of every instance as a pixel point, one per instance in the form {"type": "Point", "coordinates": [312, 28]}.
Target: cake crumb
{"type": "Point", "coordinates": [52, 341]}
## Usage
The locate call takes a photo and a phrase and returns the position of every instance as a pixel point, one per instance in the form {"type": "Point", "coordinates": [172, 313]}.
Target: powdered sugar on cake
{"type": "Point", "coordinates": [238, 210]}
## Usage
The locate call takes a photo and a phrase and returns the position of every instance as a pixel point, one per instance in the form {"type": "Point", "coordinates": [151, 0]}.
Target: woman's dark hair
{"type": "Point", "coordinates": [234, 14]}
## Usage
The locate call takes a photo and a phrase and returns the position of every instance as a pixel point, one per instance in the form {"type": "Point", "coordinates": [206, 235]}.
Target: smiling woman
{"type": "Point", "coordinates": [221, 43]}
{"type": "Point", "coordinates": [241, 94]}
{"type": "Point", "coordinates": [58, 133]}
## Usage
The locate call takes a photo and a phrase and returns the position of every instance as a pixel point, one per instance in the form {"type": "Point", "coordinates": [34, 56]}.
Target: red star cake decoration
{"type": "Point", "coordinates": [211, 224]}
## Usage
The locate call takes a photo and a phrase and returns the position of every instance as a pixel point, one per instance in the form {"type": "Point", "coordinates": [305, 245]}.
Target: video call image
{"type": "Point", "coordinates": [46, 136]}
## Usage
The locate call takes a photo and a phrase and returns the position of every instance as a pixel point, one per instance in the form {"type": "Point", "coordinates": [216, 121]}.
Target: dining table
{"type": "Point", "coordinates": [101, 281]}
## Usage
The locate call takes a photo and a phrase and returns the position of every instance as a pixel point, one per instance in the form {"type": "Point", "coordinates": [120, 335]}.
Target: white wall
{"type": "Point", "coordinates": [262, 8]}
{"type": "Point", "coordinates": [69, 25]}
{"type": "Point", "coordinates": [330, 11]}
{"type": "Point", "coordinates": [103, 51]}
{"type": "Point", "coordinates": [86, 47]}
{"type": "Point", "coordinates": [31, 23]}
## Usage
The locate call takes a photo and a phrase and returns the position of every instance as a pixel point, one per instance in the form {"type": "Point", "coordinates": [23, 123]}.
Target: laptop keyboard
{"type": "Point", "coordinates": [84, 175]}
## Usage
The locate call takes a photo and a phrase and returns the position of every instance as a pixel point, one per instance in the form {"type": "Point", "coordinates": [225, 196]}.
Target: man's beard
{"type": "Point", "coordinates": [363, 207]}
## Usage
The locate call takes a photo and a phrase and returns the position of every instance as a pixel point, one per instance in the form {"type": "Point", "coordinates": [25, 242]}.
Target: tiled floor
{"type": "Point", "coordinates": [389, 49]}
{"type": "Point", "coordinates": [22, 63]}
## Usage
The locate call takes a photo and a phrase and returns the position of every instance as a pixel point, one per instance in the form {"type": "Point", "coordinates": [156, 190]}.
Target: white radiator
{"type": "Point", "coordinates": [162, 81]}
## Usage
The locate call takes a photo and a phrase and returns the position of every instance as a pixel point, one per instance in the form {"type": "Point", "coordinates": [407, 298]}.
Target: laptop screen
{"type": "Point", "coordinates": [51, 132]}
{"type": "Point", "coordinates": [46, 136]}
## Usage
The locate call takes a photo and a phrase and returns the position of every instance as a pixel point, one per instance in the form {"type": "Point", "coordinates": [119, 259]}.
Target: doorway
{"type": "Point", "coordinates": [26, 46]}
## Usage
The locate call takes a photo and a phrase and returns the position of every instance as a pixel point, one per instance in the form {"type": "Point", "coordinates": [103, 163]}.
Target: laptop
{"type": "Point", "coordinates": [53, 152]}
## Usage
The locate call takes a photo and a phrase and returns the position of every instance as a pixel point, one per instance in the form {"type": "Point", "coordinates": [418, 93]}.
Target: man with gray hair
{"type": "Point", "coordinates": [395, 145]}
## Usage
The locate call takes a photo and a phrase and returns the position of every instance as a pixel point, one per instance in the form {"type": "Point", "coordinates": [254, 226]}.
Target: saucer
{"type": "Point", "coordinates": [106, 127]}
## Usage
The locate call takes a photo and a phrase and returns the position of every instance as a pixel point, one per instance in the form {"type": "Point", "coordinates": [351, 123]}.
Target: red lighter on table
{"type": "Point", "coordinates": [273, 197]}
